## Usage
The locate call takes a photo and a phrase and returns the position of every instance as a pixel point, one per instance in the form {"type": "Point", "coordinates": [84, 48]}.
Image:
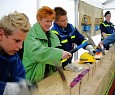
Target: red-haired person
{"type": "Point", "coordinates": [40, 52]}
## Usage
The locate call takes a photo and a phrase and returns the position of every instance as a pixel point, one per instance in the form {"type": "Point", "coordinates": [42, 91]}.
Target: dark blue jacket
{"type": "Point", "coordinates": [11, 70]}
{"type": "Point", "coordinates": [107, 28]}
{"type": "Point", "coordinates": [67, 37]}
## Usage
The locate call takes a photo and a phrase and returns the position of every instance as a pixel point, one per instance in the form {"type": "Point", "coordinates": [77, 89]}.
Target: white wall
{"type": "Point", "coordinates": [26, 6]}
{"type": "Point", "coordinates": [110, 6]}
{"type": "Point", "coordinates": [95, 3]}
{"type": "Point", "coordinates": [29, 7]}
{"type": "Point", "coordinates": [68, 5]}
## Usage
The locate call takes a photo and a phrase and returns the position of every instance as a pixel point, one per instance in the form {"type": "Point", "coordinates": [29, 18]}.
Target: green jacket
{"type": "Point", "coordinates": [37, 53]}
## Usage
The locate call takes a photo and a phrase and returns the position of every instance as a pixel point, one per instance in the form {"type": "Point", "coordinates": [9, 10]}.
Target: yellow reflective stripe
{"type": "Point", "coordinates": [105, 24]}
{"type": "Point", "coordinates": [74, 26]}
{"type": "Point", "coordinates": [64, 41]}
{"type": "Point", "coordinates": [72, 37]}
{"type": "Point", "coordinates": [63, 60]}
{"type": "Point", "coordinates": [84, 41]}
{"type": "Point", "coordinates": [54, 32]}
{"type": "Point", "coordinates": [108, 34]}
{"type": "Point", "coordinates": [95, 47]}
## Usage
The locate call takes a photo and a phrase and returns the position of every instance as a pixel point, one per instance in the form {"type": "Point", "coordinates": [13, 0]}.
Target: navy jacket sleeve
{"type": "Point", "coordinates": [79, 37]}
{"type": "Point", "coordinates": [102, 28]}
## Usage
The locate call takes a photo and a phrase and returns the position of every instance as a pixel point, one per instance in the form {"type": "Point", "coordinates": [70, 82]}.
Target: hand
{"type": "Point", "coordinates": [100, 43]}
{"type": "Point", "coordinates": [66, 55]}
{"type": "Point", "coordinates": [92, 52]}
{"type": "Point", "coordinates": [110, 45]}
{"type": "Point", "coordinates": [24, 85]}
{"type": "Point", "coordinates": [17, 88]}
{"type": "Point", "coordinates": [12, 88]}
{"type": "Point", "coordinates": [90, 49]}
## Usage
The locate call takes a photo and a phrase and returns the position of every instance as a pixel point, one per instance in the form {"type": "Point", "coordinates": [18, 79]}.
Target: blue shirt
{"type": "Point", "coordinates": [11, 70]}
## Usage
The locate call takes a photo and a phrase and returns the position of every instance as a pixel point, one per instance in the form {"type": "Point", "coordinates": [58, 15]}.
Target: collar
{"type": "Point", "coordinates": [39, 31]}
{"type": "Point", "coordinates": [8, 58]}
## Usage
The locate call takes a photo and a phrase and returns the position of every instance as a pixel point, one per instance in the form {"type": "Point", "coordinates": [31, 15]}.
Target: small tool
{"type": "Point", "coordinates": [92, 42]}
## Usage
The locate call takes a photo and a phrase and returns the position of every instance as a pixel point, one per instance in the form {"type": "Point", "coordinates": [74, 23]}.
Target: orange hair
{"type": "Point", "coordinates": [44, 12]}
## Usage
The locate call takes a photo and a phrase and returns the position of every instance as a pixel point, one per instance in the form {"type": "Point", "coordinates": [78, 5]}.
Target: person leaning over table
{"type": "Point", "coordinates": [13, 30]}
{"type": "Point", "coordinates": [40, 52]}
{"type": "Point", "coordinates": [68, 35]}
{"type": "Point", "coordinates": [107, 28]}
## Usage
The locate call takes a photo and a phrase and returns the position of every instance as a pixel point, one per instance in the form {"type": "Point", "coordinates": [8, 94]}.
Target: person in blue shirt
{"type": "Point", "coordinates": [108, 40]}
{"type": "Point", "coordinates": [13, 30]}
{"type": "Point", "coordinates": [67, 33]}
{"type": "Point", "coordinates": [106, 27]}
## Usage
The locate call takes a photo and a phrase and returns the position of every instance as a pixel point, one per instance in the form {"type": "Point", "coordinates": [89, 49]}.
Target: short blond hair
{"type": "Point", "coordinates": [14, 21]}
{"type": "Point", "coordinates": [44, 12]}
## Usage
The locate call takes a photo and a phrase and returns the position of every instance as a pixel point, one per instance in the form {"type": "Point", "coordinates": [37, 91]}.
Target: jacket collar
{"type": "Point", "coordinates": [8, 58]}
{"type": "Point", "coordinates": [66, 30]}
{"type": "Point", "coordinates": [39, 31]}
{"type": "Point", "coordinates": [107, 22]}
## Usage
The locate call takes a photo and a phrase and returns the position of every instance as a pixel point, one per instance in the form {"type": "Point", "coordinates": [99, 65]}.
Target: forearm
{"type": "Point", "coordinates": [104, 35]}
{"type": "Point", "coordinates": [109, 40]}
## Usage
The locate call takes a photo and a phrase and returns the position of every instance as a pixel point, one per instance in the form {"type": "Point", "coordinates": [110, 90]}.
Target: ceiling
{"type": "Point", "coordinates": [102, 1]}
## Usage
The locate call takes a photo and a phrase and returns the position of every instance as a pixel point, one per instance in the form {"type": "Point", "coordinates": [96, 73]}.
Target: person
{"type": "Point", "coordinates": [109, 40]}
{"type": "Point", "coordinates": [13, 30]}
{"type": "Point", "coordinates": [40, 47]}
{"type": "Point", "coordinates": [68, 34]}
{"type": "Point", "coordinates": [106, 27]}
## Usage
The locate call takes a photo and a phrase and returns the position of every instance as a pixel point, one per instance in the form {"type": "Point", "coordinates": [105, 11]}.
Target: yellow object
{"type": "Point", "coordinates": [86, 58]}
{"type": "Point", "coordinates": [63, 60]}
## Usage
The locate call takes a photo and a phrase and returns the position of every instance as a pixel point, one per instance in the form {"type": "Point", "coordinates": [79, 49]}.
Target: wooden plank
{"type": "Point", "coordinates": [92, 83]}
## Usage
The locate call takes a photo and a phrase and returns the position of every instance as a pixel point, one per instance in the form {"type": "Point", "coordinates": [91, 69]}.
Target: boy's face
{"type": "Point", "coordinates": [12, 43]}
{"type": "Point", "coordinates": [46, 23]}
{"type": "Point", "coordinates": [62, 21]}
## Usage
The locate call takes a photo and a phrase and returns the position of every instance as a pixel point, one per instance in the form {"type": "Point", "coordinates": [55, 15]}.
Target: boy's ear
{"type": "Point", "coordinates": [1, 33]}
